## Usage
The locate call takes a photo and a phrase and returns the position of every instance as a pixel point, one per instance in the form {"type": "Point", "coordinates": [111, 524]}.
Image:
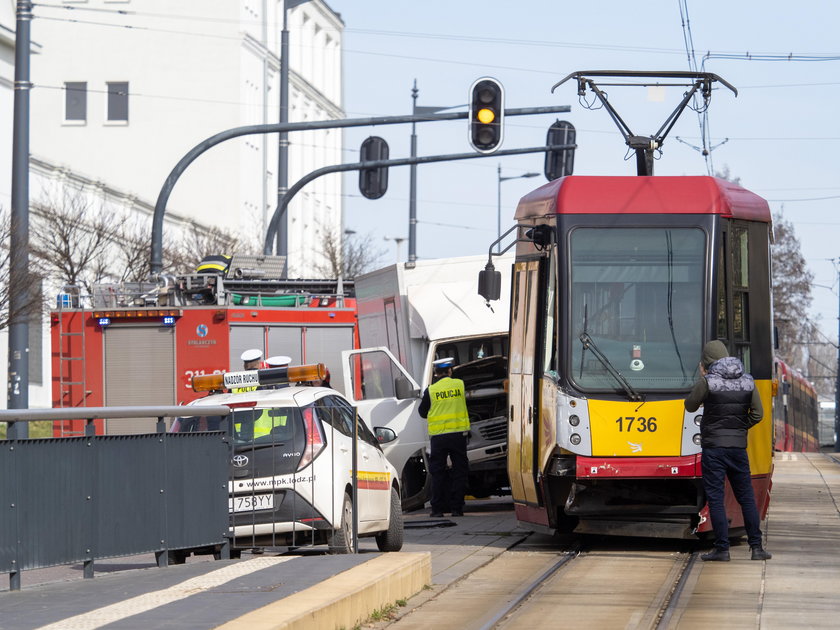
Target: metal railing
{"type": "Point", "coordinates": [78, 499]}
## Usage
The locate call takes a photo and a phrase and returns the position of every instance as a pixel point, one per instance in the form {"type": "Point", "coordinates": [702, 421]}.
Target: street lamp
{"type": "Point", "coordinates": [499, 200]}
{"type": "Point", "coordinates": [398, 240]}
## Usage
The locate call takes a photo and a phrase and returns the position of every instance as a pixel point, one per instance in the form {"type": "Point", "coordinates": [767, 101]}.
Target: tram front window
{"type": "Point", "coordinates": [637, 293]}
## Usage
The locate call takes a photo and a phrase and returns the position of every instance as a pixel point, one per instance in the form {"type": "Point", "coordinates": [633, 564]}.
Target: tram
{"type": "Point", "coordinates": [795, 411]}
{"type": "Point", "coordinates": [617, 283]}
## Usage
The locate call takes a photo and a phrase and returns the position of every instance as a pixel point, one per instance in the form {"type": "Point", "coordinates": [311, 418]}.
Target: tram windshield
{"type": "Point", "coordinates": [637, 296]}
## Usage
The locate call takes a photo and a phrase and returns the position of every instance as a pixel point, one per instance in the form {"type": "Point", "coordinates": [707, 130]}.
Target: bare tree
{"type": "Point", "coordinates": [349, 257]}
{"type": "Point", "coordinates": [725, 174]}
{"type": "Point", "coordinates": [200, 241]}
{"type": "Point", "coordinates": [74, 238]}
{"type": "Point", "coordinates": [791, 293]}
{"type": "Point", "coordinates": [33, 305]}
{"type": "Point", "coordinates": [821, 360]}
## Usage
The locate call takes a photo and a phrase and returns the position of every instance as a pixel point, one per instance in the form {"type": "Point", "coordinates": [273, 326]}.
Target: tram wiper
{"type": "Point", "coordinates": [589, 344]}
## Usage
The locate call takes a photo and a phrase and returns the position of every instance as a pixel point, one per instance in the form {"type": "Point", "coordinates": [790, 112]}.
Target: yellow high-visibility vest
{"type": "Point", "coordinates": [448, 410]}
{"type": "Point", "coordinates": [265, 423]}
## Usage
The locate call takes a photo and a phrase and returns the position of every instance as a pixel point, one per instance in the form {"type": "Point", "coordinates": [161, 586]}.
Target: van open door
{"type": "Point", "coordinates": [387, 397]}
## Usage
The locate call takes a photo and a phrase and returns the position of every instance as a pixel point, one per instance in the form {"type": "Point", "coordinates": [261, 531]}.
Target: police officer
{"type": "Point", "coordinates": [251, 360]}
{"type": "Point", "coordinates": [444, 406]}
{"type": "Point", "coordinates": [277, 361]}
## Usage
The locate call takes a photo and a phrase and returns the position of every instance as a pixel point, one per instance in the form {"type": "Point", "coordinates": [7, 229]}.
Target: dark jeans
{"type": "Point", "coordinates": [718, 464]}
{"type": "Point", "coordinates": [448, 490]}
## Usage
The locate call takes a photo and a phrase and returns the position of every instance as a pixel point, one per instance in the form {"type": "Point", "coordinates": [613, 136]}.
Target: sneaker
{"type": "Point", "coordinates": [436, 514]}
{"type": "Point", "coordinates": [760, 554]}
{"type": "Point", "coordinates": [457, 513]}
{"type": "Point", "coordinates": [716, 555]}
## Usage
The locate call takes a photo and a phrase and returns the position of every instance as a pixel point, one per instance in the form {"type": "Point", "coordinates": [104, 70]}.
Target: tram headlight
{"type": "Point", "coordinates": [574, 439]}
{"type": "Point", "coordinates": [696, 439]}
{"type": "Point", "coordinates": [698, 420]}
{"type": "Point", "coordinates": [574, 420]}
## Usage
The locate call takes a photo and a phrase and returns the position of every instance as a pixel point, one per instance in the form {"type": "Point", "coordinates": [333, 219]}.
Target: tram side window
{"type": "Point", "coordinates": [550, 341]}
{"type": "Point", "coordinates": [722, 327]}
{"type": "Point", "coordinates": [740, 293]}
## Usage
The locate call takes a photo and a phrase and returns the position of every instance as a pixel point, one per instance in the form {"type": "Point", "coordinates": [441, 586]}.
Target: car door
{"type": "Point", "coordinates": [372, 468]}
{"type": "Point", "coordinates": [370, 377]}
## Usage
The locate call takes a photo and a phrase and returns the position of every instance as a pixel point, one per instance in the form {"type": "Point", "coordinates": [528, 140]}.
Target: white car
{"type": "Point", "coordinates": [291, 468]}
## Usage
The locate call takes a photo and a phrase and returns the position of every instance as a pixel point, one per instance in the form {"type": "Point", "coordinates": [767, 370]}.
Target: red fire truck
{"type": "Point", "coordinates": [141, 343]}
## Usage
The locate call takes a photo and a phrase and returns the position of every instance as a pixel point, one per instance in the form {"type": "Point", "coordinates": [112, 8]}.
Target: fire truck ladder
{"type": "Point", "coordinates": [70, 339]}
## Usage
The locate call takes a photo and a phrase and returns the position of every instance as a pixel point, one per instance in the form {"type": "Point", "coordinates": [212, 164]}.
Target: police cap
{"type": "Point", "coordinates": [278, 360]}
{"type": "Point", "coordinates": [442, 364]}
{"type": "Point", "coordinates": [254, 354]}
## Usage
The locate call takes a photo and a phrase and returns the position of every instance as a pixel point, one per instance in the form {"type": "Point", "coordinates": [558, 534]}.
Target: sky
{"type": "Point", "coordinates": [779, 135]}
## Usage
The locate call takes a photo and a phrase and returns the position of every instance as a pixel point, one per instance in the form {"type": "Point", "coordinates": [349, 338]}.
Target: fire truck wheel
{"type": "Point", "coordinates": [341, 540]}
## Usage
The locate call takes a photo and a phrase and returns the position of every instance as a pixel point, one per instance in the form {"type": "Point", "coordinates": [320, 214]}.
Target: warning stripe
{"type": "Point", "coordinates": [369, 480]}
{"type": "Point", "coordinates": [149, 601]}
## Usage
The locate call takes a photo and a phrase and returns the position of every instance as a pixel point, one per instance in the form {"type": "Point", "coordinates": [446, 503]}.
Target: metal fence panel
{"type": "Point", "coordinates": [197, 480]}
{"type": "Point", "coordinates": [53, 484]}
{"type": "Point", "coordinates": [67, 500]}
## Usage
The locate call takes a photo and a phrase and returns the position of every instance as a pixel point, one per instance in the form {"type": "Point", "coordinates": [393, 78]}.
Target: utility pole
{"type": "Point", "coordinates": [283, 148]}
{"type": "Point", "coordinates": [412, 184]}
{"type": "Point", "coordinates": [412, 181]}
{"type": "Point", "coordinates": [19, 290]}
{"type": "Point", "coordinates": [837, 373]}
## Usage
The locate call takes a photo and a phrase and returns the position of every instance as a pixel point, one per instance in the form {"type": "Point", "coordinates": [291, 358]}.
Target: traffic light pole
{"type": "Point", "coordinates": [156, 262]}
{"type": "Point", "coordinates": [340, 168]}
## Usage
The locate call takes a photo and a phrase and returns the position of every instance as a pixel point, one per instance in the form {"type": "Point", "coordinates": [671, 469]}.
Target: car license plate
{"type": "Point", "coordinates": [251, 503]}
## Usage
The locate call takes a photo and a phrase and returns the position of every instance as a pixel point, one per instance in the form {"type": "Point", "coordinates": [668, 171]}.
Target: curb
{"type": "Point", "coordinates": [344, 599]}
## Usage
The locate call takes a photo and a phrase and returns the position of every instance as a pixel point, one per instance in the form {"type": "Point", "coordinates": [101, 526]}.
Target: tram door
{"type": "Point", "coordinates": [523, 421]}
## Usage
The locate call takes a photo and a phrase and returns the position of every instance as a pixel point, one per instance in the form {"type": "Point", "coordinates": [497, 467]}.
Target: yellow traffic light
{"type": "Point", "coordinates": [487, 111]}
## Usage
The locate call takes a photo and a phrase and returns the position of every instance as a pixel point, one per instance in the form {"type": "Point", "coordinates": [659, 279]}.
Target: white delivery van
{"type": "Point", "coordinates": [410, 315]}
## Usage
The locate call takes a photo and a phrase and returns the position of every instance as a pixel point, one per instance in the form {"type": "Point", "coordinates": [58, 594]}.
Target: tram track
{"type": "Point", "coordinates": [662, 582]}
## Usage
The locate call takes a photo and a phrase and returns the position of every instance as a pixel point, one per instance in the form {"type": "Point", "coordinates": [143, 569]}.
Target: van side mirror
{"type": "Point", "coordinates": [490, 282]}
{"type": "Point", "coordinates": [404, 389]}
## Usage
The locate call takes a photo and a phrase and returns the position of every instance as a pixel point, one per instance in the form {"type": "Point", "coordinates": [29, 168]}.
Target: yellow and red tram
{"type": "Point", "coordinates": [617, 284]}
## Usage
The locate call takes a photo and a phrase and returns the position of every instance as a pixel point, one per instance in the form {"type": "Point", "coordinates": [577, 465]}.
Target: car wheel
{"type": "Point", "coordinates": [341, 540]}
{"type": "Point", "coordinates": [392, 538]}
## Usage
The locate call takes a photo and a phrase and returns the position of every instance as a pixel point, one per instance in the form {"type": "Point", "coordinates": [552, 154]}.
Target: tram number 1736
{"type": "Point", "coordinates": [634, 423]}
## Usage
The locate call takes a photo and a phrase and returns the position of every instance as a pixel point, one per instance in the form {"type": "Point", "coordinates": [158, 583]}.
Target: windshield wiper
{"type": "Point", "coordinates": [588, 344]}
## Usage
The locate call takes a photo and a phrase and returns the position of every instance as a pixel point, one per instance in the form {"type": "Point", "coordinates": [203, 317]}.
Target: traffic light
{"type": "Point", "coordinates": [373, 182]}
{"type": "Point", "coordinates": [560, 162]}
{"type": "Point", "coordinates": [487, 115]}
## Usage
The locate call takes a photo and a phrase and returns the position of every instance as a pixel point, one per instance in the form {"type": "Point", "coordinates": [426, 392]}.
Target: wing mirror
{"type": "Point", "coordinates": [404, 389]}
{"type": "Point", "coordinates": [490, 282]}
{"type": "Point", "coordinates": [384, 435]}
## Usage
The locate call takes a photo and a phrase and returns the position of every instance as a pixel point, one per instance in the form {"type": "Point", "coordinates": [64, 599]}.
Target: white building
{"type": "Point", "coordinates": [125, 88]}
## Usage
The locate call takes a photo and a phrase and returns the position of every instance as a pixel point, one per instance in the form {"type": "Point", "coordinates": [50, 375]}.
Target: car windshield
{"type": "Point", "coordinates": [637, 298]}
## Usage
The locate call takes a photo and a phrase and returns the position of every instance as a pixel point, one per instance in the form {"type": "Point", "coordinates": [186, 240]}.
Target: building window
{"type": "Point", "coordinates": [75, 101]}
{"type": "Point", "coordinates": [118, 101]}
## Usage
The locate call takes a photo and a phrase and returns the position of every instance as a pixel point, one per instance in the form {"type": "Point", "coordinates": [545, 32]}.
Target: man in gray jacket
{"type": "Point", "coordinates": [731, 405]}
